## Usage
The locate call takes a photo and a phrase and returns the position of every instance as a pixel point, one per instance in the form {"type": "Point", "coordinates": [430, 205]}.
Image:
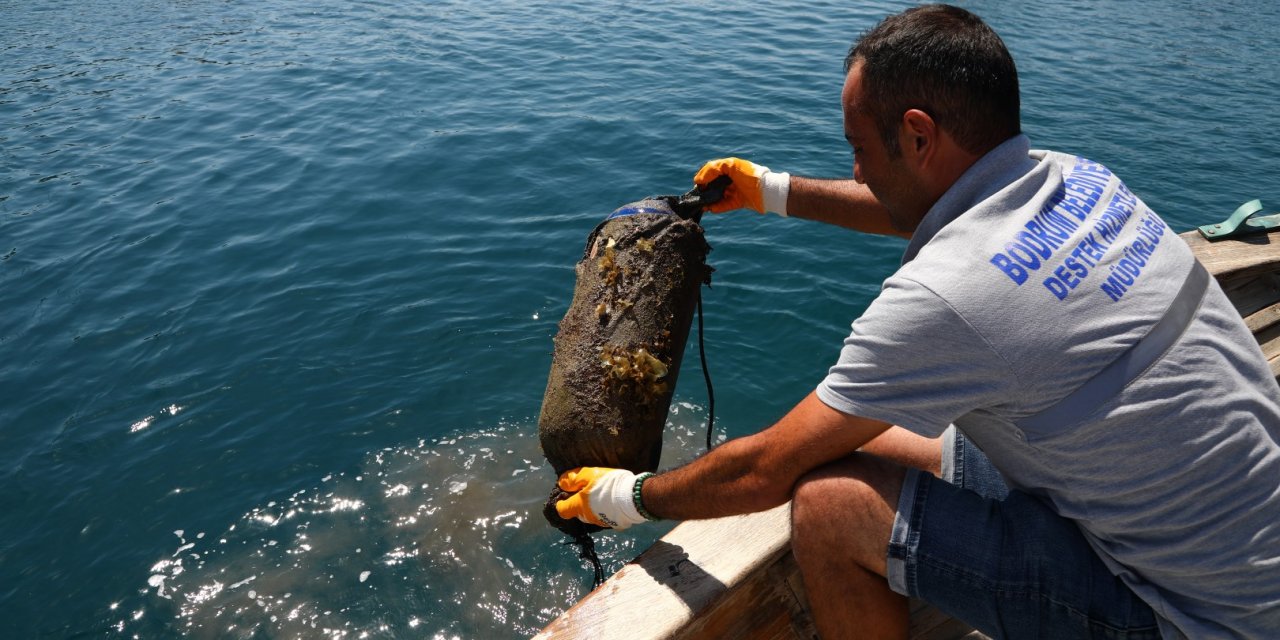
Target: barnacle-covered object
{"type": "Point", "coordinates": [618, 350]}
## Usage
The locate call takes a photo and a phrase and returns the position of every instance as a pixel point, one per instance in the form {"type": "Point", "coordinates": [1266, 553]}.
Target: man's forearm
{"type": "Point", "coordinates": [844, 203]}
{"type": "Point", "coordinates": [727, 481]}
{"type": "Point", "coordinates": [759, 471]}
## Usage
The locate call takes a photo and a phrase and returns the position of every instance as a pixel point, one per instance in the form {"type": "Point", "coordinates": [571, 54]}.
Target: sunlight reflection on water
{"type": "Point", "coordinates": [432, 537]}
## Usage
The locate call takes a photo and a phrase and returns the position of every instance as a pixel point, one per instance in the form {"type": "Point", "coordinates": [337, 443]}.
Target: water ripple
{"type": "Point", "coordinates": [248, 246]}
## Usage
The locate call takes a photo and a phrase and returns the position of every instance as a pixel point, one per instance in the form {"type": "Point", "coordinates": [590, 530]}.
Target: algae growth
{"type": "Point", "coordinates": [618, 350]}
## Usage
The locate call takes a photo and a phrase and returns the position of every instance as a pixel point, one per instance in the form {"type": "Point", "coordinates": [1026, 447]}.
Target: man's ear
{"type": "Point", "coordinates": [918, 135]}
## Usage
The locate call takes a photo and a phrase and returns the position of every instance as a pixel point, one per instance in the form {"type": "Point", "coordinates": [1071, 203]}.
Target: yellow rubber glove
{"type": "Point", "coordinates": [754, 186]}
{"type": "Point", "coordinates": [601, 496]}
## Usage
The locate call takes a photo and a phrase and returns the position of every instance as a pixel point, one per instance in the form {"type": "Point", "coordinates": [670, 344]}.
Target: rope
{"type": "Point", "coordinates": [587, 551]}
{"type": "Point", "coordinates": [706, 374]}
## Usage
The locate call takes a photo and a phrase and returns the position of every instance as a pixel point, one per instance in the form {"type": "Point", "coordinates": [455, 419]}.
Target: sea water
{"type": "Point", "coordinates": [279, 279]}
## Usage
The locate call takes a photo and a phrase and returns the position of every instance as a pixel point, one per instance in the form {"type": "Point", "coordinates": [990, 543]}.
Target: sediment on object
{"type": "Point", "coordinates": [619, 347]}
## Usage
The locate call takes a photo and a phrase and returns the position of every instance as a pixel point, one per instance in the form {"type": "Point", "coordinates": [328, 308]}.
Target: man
{"type": "Point", "coordinates": [1114, 465]}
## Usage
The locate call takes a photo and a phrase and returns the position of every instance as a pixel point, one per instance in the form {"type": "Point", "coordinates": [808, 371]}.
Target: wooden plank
{"type": "Point", "coordinates": [725, 578]}
{"type": "Point", "coordinates": [1263, 318]}
{"type": "Point", "coordinates": [1269, 340]}
{"type": "Point", "coordinates": [1236, 256]}
{"type": "Point", "coordinates": [1250, 294]}
{"type": "Point", "coordinates": [764, 607]}
{"type": "Point", "coordinates": [678, 578]}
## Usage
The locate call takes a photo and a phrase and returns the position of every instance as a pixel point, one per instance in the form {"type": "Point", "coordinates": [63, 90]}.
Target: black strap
{"type": "Point", "coordinates": [706, 374]}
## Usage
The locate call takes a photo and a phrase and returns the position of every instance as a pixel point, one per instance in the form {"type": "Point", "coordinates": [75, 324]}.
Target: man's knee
{"type": "Point", "coordinates": [848, 484]}
{"type": "Point", "coordinates": [829, 494]}
{"type": "Point", "coordinates": [846, 507]}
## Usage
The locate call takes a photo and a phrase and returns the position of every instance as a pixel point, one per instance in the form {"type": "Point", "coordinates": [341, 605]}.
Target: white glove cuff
{"type": "Point", "coordinates": [613, 502]}
{"type": "Point", "coordinates": [775, 186]}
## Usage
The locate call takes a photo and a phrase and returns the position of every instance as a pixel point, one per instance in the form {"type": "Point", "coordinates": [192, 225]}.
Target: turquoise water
{"type": "Point", "coordinates": [279, 278]}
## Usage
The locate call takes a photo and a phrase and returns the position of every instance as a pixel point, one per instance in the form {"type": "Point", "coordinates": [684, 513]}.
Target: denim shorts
{"type": "Point", "coordinates": [1001, 560]}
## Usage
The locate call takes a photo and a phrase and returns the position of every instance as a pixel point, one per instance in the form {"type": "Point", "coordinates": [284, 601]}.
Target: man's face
{"type": "Point", "coordinates": [888, 178]}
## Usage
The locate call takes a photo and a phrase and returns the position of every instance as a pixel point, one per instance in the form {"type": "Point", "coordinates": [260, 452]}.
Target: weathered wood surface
{"type": "Point", "coordinates": [729, 577]}
{"type": "Point", "coordinates": [1248, 268]}
{"type": "Point", "coordinates": [680, 576]}
{"type": "Point", "coordinates": [1235, 257]}
{"type": "Point", "coordinates": [736, 578]}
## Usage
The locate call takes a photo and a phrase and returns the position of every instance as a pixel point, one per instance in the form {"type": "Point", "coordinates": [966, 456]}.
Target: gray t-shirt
{"type": "Point", "coordinates": [1028, 277]}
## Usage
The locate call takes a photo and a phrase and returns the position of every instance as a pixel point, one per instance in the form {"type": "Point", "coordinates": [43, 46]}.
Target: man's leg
{"type": "Point", "coordinates": [841, 518]}
{"type": "Point", "coordinates": [860, 494]}
{"type": "Point", "coordinates": [1000, 560]}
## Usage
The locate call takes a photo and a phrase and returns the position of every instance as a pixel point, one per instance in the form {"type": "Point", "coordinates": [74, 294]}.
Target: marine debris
{"type": "Point", "coordinates": [619, 347]}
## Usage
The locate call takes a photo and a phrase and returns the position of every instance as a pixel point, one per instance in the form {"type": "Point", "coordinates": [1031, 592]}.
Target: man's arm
{"type": "Point", "coordinates": [844, 203]}
{"type": "Point", "coordinates": [758, 472]}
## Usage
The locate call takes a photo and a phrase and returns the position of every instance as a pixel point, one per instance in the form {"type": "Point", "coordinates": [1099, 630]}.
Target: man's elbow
{"type": "Point", "coordinates": [766, 492]}
{"type": "Point", "coordinates": [770, 482]}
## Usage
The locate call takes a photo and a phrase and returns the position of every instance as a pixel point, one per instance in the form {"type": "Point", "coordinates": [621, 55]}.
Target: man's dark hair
{"type": "Point", "coordinates": [946, 62]}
